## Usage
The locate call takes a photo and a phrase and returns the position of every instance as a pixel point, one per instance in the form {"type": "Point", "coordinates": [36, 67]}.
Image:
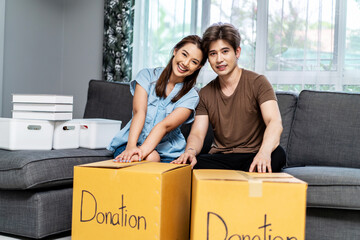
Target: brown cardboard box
{"type": "Point", "coordinates": [235, 205]}
{"type": "Point", "coordinates": [131, 201]}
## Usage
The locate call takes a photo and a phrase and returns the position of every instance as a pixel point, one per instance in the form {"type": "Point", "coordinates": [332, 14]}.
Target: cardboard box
{"type": "Point", "coordinates": [143, 200]}
{"type": "Point", "coordinates": [236, 205]}
{"type": "Point", "coordinates": [19, 134]}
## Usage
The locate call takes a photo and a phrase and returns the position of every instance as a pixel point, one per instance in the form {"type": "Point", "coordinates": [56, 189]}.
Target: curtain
{"type": "Point", "coordinates": [118, 40]}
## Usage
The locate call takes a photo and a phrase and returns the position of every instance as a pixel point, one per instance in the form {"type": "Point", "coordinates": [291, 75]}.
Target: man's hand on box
{"type": "Point", "coordinates": [261, 163]}
{"type": "Point", "coordinates": [186, 157]}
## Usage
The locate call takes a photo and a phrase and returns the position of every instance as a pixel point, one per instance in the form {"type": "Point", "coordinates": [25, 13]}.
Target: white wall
{"type": "Point", "coordinates": [82, 55]}
{"type": "Point", "coordinates": [51, 46]}
{"type": "Point", "coordinates": [2, 29]}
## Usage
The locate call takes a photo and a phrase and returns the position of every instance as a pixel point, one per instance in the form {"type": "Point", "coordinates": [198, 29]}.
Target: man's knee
{"type": "Point", "coordinates": [278, 159]}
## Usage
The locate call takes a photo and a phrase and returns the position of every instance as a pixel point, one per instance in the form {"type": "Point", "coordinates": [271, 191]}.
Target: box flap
{"type": "Point", "coordinates": [110, 164]}
{"type": "Point", "coordinates": [143, 166]}
{"type": "Point", "coordinates": [233, 175]}
{"type": "Point", "coordinates": [217, 174]}
{"type": "Point", "coordinates": [156, 167]}
{"type": "Point", "coordinates": [254, 180]}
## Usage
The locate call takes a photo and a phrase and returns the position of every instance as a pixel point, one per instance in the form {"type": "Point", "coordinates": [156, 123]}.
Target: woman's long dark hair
{"type": "Point", "coordinates": [190, 80]}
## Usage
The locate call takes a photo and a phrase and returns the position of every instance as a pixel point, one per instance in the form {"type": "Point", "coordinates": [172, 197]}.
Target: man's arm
{"type": "Point", "coordinates": [272, 118]}
{"type": "Point", "coordinates": [195, 140]}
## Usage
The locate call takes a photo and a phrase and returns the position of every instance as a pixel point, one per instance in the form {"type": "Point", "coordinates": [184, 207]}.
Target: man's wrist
{"type": "Point", "coordinates": [191, 149]}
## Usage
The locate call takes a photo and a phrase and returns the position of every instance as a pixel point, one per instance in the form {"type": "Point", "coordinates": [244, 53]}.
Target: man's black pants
{"type": "Point", "coordinates": [238, 161]}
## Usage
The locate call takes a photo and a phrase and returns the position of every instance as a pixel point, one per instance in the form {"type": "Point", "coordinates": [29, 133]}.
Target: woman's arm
{"type": "Point", "coordinates": [169, 123]}
{"type": "Point", "coordinates": [137, 123]}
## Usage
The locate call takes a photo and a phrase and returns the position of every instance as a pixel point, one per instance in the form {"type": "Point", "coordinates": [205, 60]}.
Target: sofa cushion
{"type": "Point", "coordinates": [287, 105]}
{"type": "Point", "coordinates": [326, 130]}
{"type": "Point", "coordinates": [35, 214]}
{"type": "Point", "coordinates": [109, 100]}
{"type": "Point", "coordinates": [38, 169]}
{"type": "Point", "coordinates": [330, 187]}
{"type": "Point", "coordinates": [334, 224]}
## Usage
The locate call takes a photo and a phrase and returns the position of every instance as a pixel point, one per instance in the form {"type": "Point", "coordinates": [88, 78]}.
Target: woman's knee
{"type": "Point", "coordinates": [153, 157]}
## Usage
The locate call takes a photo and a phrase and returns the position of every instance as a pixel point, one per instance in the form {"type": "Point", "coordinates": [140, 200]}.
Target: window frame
{"type": "Point", "coordinates": [337, 78]}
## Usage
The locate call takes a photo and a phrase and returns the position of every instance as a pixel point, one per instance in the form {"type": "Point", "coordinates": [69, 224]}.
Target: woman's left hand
{"type": "Point", "coordinates": [128, 155]}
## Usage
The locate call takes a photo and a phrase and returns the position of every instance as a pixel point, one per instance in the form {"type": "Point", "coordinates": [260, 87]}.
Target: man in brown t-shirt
{"type": "Point", "coordinates": [242, 108]}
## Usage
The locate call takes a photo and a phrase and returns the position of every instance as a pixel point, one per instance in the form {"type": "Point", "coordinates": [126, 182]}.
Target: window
{"type": "Point", "coordinates": [297, 44]}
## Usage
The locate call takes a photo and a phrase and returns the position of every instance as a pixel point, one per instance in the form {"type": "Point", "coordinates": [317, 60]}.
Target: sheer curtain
{"type": "Point", "coordinates": [159, 25]}
{"type": "Point", "coordinates": [297, 44]}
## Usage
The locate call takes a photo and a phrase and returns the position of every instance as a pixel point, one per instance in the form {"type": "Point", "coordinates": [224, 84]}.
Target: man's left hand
{"type": "Point", "coordinates": [260, 163]}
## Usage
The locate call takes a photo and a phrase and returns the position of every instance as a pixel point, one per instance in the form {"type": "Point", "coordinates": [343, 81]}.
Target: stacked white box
{"type": "Point", "coordinates": [97, 133]}
{"type": "Point", "coordinates": [66, 134]}
{"type": "Point", "coordinates": [42, 106]}
{"type": "Point", "coordinates": [19, 134]}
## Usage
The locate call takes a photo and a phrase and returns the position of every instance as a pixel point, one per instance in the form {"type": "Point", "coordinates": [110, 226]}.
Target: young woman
{"type": "Point", "coordinates": [164, 98]}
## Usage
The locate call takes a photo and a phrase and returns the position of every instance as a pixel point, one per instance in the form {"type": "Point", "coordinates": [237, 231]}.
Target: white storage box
{"type": "Point", "coordinates": [20, 134]}
{"type": "Point", "coordinates": [42, 98]}
{"type": "Point", "coordinates": [97, 133]}
{"type": "Point", "coordinates": [66, 135]}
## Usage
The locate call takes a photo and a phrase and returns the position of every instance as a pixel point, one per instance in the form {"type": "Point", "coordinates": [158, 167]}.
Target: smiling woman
{"type": "Point", "coordinates": [164, 98]}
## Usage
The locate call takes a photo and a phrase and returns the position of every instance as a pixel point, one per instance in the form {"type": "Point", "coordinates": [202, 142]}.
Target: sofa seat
{"type": "Point", "coordinates": [330, 187]}
{"type": "Point", "coordinates": [36, 189]}
{"type": "Point", "coordinates": [21, 170]}
{"type": "Point", "coordinates": [36, 213]}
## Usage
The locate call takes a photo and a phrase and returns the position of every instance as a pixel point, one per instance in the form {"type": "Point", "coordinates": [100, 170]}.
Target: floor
{"type": "Point", "coordinates": [65, 236]}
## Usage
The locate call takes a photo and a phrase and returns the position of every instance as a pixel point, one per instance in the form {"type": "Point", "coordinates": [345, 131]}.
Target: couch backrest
{"type": "Point", "coordinates": [326, 130]}
{"type": "Point", "coordinates": [109, 100]}
{"type": "Point", "coordinates": [114, 101]}
{"type": "Point", "coordinates": [287, 105]}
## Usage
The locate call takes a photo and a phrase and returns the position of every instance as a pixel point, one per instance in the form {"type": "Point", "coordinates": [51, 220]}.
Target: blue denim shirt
{"type": "Point", "coordinates": [173, 144]}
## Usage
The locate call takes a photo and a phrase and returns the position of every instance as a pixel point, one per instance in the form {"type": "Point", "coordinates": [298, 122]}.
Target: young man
{"type": "Point", "coordinates": [242, 108]}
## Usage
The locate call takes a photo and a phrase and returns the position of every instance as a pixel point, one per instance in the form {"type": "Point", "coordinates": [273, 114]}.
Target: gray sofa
{"type": "Point", "coordinates": [36, 186]}
{"type": "Point", "coordinates": [323, 149]}
{"type": "Point", "coordinates": [321, 136]}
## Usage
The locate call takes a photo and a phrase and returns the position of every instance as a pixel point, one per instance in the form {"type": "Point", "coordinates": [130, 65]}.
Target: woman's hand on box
{"type": "Point", "coordinates": [129, 155]}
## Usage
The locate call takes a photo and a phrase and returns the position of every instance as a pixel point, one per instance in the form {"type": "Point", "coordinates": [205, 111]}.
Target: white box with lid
{"type": "Point", "coordinates": [66, 134]}
{"type": "Point", "coordinates": [97, 133]}
{"type": "Point", "coordinates": [21, 134]}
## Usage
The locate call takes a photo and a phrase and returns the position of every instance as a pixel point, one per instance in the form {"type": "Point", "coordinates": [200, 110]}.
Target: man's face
{"type": "Point", "coordinates": [222, 57]}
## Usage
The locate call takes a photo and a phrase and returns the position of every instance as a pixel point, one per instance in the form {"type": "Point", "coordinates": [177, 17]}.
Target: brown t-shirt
{"type": "Point", "coordinates": [236, 120]}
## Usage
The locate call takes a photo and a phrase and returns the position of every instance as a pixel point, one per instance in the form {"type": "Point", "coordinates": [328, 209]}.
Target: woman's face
{"type": "Point", "coordinates": [186, 60]}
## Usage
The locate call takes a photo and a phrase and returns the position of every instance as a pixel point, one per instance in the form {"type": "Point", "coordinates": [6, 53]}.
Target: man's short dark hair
{"type": "Point", "coordinates": [221, 31]}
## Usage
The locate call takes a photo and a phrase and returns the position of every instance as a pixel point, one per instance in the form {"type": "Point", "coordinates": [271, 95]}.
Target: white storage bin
{"type": "Point", "coordinates": [21, 134]}
{"type": "Point", "coordinates": [97, 133]}
{"type": "Point", "coordinates": [66, 135]}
